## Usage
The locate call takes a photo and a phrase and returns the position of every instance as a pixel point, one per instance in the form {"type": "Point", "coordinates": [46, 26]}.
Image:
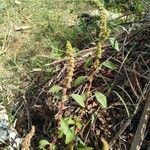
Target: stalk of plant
{"type": "Point", "coordinates": [102, 37]}
{"type": "Point", "coordinates": [69, 74]}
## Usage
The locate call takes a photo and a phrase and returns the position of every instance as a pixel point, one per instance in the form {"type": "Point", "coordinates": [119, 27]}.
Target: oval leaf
{"type": "Point", "coordinates": [64, 127]}
{"type": "Point", "coordinates": [70, 135]}
{"type": "Point", "coordinates": [80, 80]}
{"type": "Point", "coordinates": [55, 89]}
{"type": "Point", "coordinates": [79, 99]}
{"type": "Point", "coordinates": [114, 44]}
{"type": "Point", "coordinates": [109, 64]}
{"type": "Point", "coordinates": [101, 98]}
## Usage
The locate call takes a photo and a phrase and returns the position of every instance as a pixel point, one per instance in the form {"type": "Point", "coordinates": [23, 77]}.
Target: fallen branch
{"type": "Point", "coordinates": [140, 132]}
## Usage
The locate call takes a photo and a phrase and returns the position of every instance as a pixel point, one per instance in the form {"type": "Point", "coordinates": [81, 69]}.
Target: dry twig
{"type": "Point", "coordinates": [27, 140]}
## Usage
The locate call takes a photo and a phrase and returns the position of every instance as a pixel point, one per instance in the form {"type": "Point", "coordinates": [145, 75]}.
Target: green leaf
{"type": "Point", "coordinates": [79, 99]}
{"type": "Point", "coordinates": [88, 62]}
{"type": "Point", "coordinates": [101, 98]}
{"type": "Point", "coordinates": [83, 147]}
{"type": "Point", "coordinates": [64, 127]}
{"type": "Point", "coordinates": [109, 64]}
{"type": "Point", "coordinates": [43, 144]}
{"type": "Point", "coordinates": [80, 80]}
{"type": "Point", "coordinates": [55, 89]}
{"type": "Point", "coordinates": [70, 135]}
{"type": "Point", "coordinates": [114, 44]}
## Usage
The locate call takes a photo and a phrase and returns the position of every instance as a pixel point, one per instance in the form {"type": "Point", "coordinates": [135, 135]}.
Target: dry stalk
{"type": "Point", "coordinates": [27, 140]}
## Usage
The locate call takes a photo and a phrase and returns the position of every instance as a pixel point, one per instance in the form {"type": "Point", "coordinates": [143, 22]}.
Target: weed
{"type": "Point", "coordinates": [53, 97]}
